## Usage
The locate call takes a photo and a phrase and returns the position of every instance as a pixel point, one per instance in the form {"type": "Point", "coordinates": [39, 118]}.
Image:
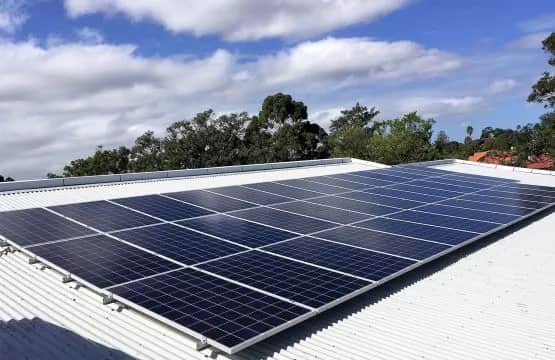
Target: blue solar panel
{"type": "Point", "coordinates": [313, 186]}
{"type": "Point", "coordinates": [426, 232]}
{"type": "Point", "coordinates": [183, 245]}
{"type": "Point", "coordinates": [480, 179]}
{"type": "Point", "coordinates": [353, 205]}
{"type": "Point", "coordinates": [255, 196]}
{"type": "Point", "coordinates": [436, 184]}
{"type": "Point", "coordinates": [407, 174]}
{"type": "Point", "coordinates": [387, 243]}
{"type": "Point", "coordinates": [211, 201]}
{"type": "Point", "coordinates": [468, 213]}
{"type": "Point", "coordinates": [34, 226]}
{"type": "Point", "coordinates": [382, 200]}
{"type": "Point", "coordinates": [284, 220]}
{"type": "Point", "coordinates": [283, 190]}
{"type": "Point", "coordinates": [237, 230]}
{"type": "Point", "coordinates": [361, 179]}
{"type": "Point", "coordinates": [405, 195]}
{"type": "Point", "coordinates": [487, 207]}
{"type": "Point", "coordinates": [364, 263]}
{"type": "Point", "coordinates": [540, 191]}
{"type": "Point", "coordinates": [346, 185]}
{"type": "Point", "coordinates": [224, 312]}
{"type": "Point", "coordinates": [377, 174]}
{"type": "Point", "coordinates": [103, 261]}
{"type": "Point", "coordinates": [504, 201]}
{"type": "Point", "coordinates": [104, 216]}
{"type": "Point", "coordinates": [446, 221]}
{"type": "Point", "coordinates": [516, 195]}
{"type": "Point", "coordinates": [322, 212]}
{"type": "Point", "coordinates": [296, 281]}
{"type": "Point", "coordinates": [163, 207]}
{"type": "Point", "coordinates": [424, 190]}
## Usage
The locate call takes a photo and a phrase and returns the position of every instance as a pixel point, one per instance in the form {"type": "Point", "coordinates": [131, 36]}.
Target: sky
{"type": "Point", "coordinates": [75, 74]}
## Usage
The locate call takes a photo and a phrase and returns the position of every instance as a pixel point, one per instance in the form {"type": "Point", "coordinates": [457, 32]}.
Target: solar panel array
{"type": "Point", "coordinates": [234, 265]}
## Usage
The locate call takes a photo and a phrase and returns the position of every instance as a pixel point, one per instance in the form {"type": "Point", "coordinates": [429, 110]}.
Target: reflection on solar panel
{"type": "Point", "coordinates": [35, 226]}
{"type": "Point", "coordinates": [233, 265]}
{"type": "Point", "coordinates": [162, 207]}
{"type": "Point", "coordinates": [104, 216]}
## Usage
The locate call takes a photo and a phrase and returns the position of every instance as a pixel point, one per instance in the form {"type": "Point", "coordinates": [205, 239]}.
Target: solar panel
{"type": "Point", "coordinates": [420, 231]}
{"type": "Point", "coordinates": [279, 189]}
{"type": "Point", "coordinates": [227, 313]}
{"type": "Point", "coordinates": [284, 220]}
{"type": "Point", "coordinates": [210, 200]}
{"type": "Point", "coordinates": [103, 261]}
{"type": "Point", "coordinates": [179, 244]}
{"type": "Point", "coordinates": [254, 196]}
{"type": "Point", "coordinates": [282, 252]}
{"type": "Point", "coordinates": [322, 212]}
{"type": "Point", "coordinates": [104, 216]}
{"type": "Point", "coordinates": [239, 231]}
{"type": "Point", "coordinates": [163, 207]}
{"type": "Point", "coordinates": [383, 242]}
{"type": "Point", "coordinates": [305, 284]}
{"type": "Point", "coordinates": [367, 264]}
{"type": "Point", "coordinates": [35, 226]}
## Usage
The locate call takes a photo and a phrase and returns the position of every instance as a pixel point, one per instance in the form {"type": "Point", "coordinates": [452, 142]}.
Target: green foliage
{"type": "Point", "coordinates": [402, 140]}
{"type": "Point", "coordinates": [350, 132]}
{"type": "Point", "coordinates": [103, 162]}
{"type": "Point", "coordinates": [543, 91]}
{"type": "Point", "coordinates": [356, 117]}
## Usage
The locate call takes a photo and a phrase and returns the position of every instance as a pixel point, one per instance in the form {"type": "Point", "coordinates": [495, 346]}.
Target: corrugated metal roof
{"type": "Point", "coordinates": [492, 300]}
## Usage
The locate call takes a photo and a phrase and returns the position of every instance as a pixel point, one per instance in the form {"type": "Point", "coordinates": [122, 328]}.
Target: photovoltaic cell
{"type": "Point", "coordinates": [313, 186]}
{"type": "Point", "coordinates": [183, 245]}
{"type": "Point", "coordinates": [379, 175]}
{"type": "Point", "coordinates": [426, 232]}
{"type": "Point", "coordinates": [405, 195]}
{"type": "Point", "coordinates": [239, 231]}
{"type": "Point", "coordinates": [446, 221]}
{"type": "Point", "coordinates": [34, 226]}
{"type": "Point", "coordinates": [504, 201]}
{"type": "Point", "coordinates": [383, 200]}
{"type": "Point", "coordinates": [517, 211]}
{"type": "Point", "coordinates": [253, 196]}
{"type": "Point", "coordinates": [211, 201]}
{"type": "Point", "coordinates": [220, 310]}
{"type": "Point", "coordinates": [424, 190]}
{"type": "Point", "coordinates": [296, 281]}
{"type": "Point", "coordinates": [346, 185]}
{"type": "Point", "coordinates": [516, 195]}
{"type": "Point", "coordinates": [283, 190]}
{"type": "Point", "coordinates": [361, 179]}
{"type": "Point", "coordinates": [468, 213]}
{"type": "Point", "coordinates": [540, 191]}
{"type": "Point", "coordinates": [436, 184]}
{"type": "Point", "coordinates": [364, 263]}
{"type": "Point", "coordinates": [284, 220]}
{"type": "Point", "coordinates": [103, 261]}
{"type": "Point", "coordinates": [379, 241]}
{"type": "Point", "coordinates": [322, 212]}
{"type": "Point", "coordinates": [104, 216]}
{"type": "Point", "coordinates": [163, 207]}
{"type": "Point", "coordinates": [353, 205]}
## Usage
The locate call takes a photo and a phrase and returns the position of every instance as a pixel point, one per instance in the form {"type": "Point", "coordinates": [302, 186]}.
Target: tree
{"type": "Point", "coordinates": [103, 162]}
{"type": "Point", "coordinates": [279, 109]}
{"type": "Point", "coordinates": [402, 140]}
{"type": "Point", "coordinates": [147, 153]}
{"type": "Point", "coordinates": [441, 143]}
{"type": "Point", "coordinates": [469, 132]}
{"type": "Point", "coordinates": [350, 132]}
{"type": "Point", "coordinates": [543, 92]}
{"type": "Point", "coordinates": [2, 179]}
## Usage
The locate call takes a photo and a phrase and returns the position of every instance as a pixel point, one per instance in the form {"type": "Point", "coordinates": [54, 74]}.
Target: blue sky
{"type": "Point", "coordinates": [81, 73]}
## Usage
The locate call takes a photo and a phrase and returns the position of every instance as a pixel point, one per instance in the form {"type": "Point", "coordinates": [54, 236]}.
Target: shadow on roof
{"type": "Point", "coordinates": [38, 339]}
{"type": "Point", "coordinates": [305, 330]}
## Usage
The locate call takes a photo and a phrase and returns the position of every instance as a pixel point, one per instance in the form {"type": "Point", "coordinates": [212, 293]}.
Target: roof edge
{"type": "Point", "coordinates": [486, 165]}
{"type": "Point", "coordinates": [169, 174]}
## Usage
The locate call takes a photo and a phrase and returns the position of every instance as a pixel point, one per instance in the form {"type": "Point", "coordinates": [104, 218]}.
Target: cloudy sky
{"type": "Point", "coordinates": [75, 74]}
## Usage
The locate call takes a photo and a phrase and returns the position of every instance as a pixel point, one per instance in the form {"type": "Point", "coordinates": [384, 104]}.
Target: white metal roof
{"type": "Point", "coordinates": [492, 300]}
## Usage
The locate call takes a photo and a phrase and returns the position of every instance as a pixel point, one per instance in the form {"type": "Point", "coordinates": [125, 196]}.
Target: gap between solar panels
{"type": "Point", "coordinates": [232, 266]}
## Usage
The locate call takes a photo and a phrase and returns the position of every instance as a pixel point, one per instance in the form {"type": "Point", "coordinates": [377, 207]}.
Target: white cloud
{"type": "Point", "coordinates": [354, 60]}
{"type": "Point", "coordinates": [61, 100]}
{"type": "Point", "coordinates": [12, 15]}
{"type": "Point", "coordinates": [238, 20]}
{"type": "Point", "coordinates": [501, 86]}
{"type": "Point", "coordinates": [437, 107]}
{"type": "Point", "coordinates": [530, 41]}
{"type": "Point", "coordinates": [90, 35]}
{"type": "Point", "coordinates": [541, 23]}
